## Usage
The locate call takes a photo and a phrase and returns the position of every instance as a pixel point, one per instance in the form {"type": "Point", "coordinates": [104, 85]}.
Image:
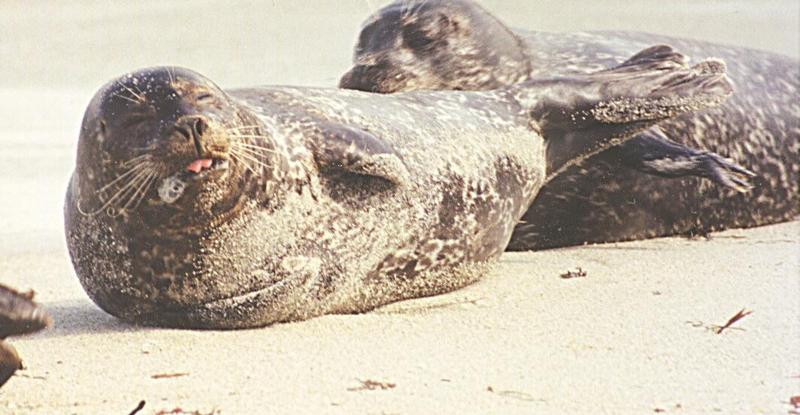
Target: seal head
{"type": "Point", "coordinates": [162, 139]}
{"type": "Point", "coordinates": [405, 45]}
{"type": "Point", "coordinates": [164, 158]}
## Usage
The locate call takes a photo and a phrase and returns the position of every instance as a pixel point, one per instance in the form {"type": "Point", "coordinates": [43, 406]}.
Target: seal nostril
{"type": "Point", "coordinates": [185, 132]}
{"type": "Point", "coordinates": [200, 126]}
{"type": "Point", "coordinates": [192, 128]}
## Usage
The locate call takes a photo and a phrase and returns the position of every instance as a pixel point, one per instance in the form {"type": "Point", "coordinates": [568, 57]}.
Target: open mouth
{"type": "Point", "coordinates": [201, 167]}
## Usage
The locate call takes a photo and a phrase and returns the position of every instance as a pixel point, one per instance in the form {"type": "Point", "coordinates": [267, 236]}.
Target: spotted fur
{"type": "Point", "coordinates": [351, 200]}
{"type": "Point", "coordinates": [456, 44]}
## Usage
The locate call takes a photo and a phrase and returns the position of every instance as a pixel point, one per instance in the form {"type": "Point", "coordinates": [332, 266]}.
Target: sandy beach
{"type": "Point", "coordinates": [635, 336]}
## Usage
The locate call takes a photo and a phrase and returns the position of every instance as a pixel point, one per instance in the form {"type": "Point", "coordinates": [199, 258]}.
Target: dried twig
{"type": "Point", "coordinates": [580, 273]}
{"type": "Point", "coordinates": [180, 411]}
{"type": "Point", "coordinates": [138, 408]}
{"type": "Point", "coordinates": [740, 315]}
{"type": "Point", "coordinates": [372, 385]}
{"type": "Point", "coordinates": [522, 396]}
{"type": "Point", "coordinates": [169, 375]}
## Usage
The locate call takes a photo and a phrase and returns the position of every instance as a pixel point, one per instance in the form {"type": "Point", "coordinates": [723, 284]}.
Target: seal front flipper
{"type": "Point", "coordinates": [583, 115]}
{"type": "Point", "coordinates": [356, 151]}
{"type": "Point", "coordinates": [652, 152]}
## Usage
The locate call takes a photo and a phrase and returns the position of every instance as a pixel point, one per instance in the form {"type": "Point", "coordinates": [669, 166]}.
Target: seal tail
{"type": "Point", "coordinates": [583, 115]}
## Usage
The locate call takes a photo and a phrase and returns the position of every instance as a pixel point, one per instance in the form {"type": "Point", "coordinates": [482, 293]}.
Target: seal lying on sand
{"type": "Point", "coordinates": [456, 44]}
{"type": "Point", "coordinates": [18, 315]}
{"type": "Point", "coordinates": [194, 207]}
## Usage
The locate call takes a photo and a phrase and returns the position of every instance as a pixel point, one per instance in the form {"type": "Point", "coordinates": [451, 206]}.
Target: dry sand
{"type": "Point", "coordinates": [631, 337]}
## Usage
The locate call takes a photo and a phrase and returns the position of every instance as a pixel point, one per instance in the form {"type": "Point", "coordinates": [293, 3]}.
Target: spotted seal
{"type": "Point", "coordinates": [195, 207]}
{"type": "Point", "coordinates": [18, 315]}
{"type": "Point", "coordinates": [456, 44]}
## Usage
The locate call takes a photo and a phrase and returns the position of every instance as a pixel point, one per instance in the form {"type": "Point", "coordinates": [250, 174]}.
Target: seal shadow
{"type": "Point", "coordinates": [76, 317]}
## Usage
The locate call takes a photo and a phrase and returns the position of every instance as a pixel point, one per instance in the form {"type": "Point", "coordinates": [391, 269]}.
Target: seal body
{"type": "Point", "coordinates": [459, 45]}
{"type": "Point", "coordinates": [604, 200]}
{"type": "Point", "coordinates": [195, 207]}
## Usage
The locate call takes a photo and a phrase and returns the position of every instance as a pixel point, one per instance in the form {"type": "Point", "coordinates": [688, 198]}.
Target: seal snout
{"type": "Point", "coordinates": [359, 78]}
{"type": "Point", "coordinates": [210, 150]}
{"type": "Point", "coordinates": [192, 127]}
{"type": "Point", "coordinates": [378, 76]}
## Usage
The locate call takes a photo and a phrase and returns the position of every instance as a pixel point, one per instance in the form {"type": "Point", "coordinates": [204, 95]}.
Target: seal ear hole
{"type": "Point", "coordinates": [420, 35]}
{"type": "Point", "coordinates": [446, 24]}
{"type": "Point", "coordinates": [103, 127]}
{"type": "Point", "coordinates": [416, 38]}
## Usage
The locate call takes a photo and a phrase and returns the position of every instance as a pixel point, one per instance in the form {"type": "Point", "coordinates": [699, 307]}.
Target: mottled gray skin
{"type": "Point", "coordinates": [441, 44]}
{"type": "Point", "coordinates": [18, 315]}
{"type": "Point", "coordinates": [314, 201]}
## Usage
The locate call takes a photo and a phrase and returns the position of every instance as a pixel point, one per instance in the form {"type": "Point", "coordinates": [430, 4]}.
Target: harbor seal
{"type": "Point", "coordinates": [458, 45]}
{"type": "Point", "coordinates": [195, 207]}
{"type": "Point", "coordinates": [18, 315]}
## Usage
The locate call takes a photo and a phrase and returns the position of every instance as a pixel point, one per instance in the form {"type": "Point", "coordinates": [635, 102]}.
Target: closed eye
{"type": "Point", "coordinates": [134, 120]}
{"type": "Point", "coordinates": [416, 39]}
{"type": "Point", "coordinates": [204, 96]}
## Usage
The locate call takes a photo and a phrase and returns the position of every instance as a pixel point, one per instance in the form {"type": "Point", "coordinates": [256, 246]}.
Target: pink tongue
{"type": "Point", "coordinates": [198, 165]}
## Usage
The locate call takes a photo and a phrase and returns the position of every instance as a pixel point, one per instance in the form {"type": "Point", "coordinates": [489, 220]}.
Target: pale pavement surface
{"type": "Point", "coordinates": [631, 337]}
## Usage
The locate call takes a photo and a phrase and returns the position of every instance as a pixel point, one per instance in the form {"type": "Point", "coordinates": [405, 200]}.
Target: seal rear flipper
{"type": "Point", "coordinates": [652, 152]}
{"type": "Point", "coordinates": [583, 115]}
{"type": "Point", "coordinates": [356, 151]}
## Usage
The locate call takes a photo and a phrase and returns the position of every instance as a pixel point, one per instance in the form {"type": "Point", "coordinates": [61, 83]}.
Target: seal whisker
{"type": "Point", "coordinates": [139, 188]}
{"type": "Point", "coordinates": [251, 136]}
{"type": "Point", "coordinates": [141, 191]}
{"type": "Point", "coordinates": [253, 150]}
{"type": "Point", "coordinates": [251, 157]}
{"type": "Point", "coordinates": [241, 159]}
{"type": "Point", "coordinates": [247, 165]}
{"type": "Point", "coordinates": [237, 160]}
{"type": "Point", "coordinates": [127, 175]}
{"type": "Point", "coordinates": [139, 98]}
{"type": "Point", "coordinates": [251, 147]}
{"type": "Point", "coordinates": [124, 175]}
{"type": "Point", "coordinates": [139, 91]}
{"type": "Point", "coordinates": [125, 98]}
{"type": "Point", "coordinates": [244, 127]}
{"type": "Point", "coordinates": [239, 135]}
{"type": "Point", "coordinates": [139, 158]}
{"type": "Point", "coordinates": [120, 193]}
{"type": "Point", "coordinates": [244, 143]}
{"type": "Point", "coordinates": [123, 191]}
